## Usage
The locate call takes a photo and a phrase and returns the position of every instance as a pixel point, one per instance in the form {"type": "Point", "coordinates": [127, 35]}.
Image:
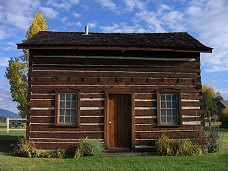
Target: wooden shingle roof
{"type": "Point", "coordinates": [175, 40]}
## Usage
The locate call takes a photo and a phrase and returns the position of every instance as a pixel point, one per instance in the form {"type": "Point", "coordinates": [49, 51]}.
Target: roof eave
{"type": "Point", "coordinates": [21, 46]}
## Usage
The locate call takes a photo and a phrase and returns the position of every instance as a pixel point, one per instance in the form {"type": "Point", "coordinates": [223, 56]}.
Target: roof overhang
{"type": "Point", "coordinates": [21, 46]}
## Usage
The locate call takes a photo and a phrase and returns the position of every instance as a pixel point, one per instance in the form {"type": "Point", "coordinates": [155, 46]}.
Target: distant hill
{"type": "Point", "coordinates": [8, 114]}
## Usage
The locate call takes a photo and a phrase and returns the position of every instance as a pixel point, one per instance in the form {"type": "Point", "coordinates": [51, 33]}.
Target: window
{"type": "Point", "coordinates": [67, 108]}
{"type": "Point", "coordinates": [168, 108]}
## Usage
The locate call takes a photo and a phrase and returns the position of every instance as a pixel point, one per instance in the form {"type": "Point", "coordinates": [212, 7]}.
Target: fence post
{"type": "Point", "coordinates": [7, 125]}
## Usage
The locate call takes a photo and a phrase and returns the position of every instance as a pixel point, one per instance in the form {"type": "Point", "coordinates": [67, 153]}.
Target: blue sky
{"type": "Point", "coordinates": [206, 20]}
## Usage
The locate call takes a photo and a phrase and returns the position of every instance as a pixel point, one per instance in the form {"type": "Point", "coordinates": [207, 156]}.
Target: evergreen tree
{"type": "Point", "coordinates": [17, 70]}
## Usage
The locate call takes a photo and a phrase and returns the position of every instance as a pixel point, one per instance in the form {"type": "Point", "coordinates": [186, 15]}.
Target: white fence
{"type": "Point", "coordinates": [13, 129]}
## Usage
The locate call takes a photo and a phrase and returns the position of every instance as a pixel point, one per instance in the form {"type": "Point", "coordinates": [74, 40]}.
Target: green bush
{"type": "Point", "coordinates": [213, 140]}
{"type": "Point", "coordinates": [24, 148]}
{"type": "Point", "coordinates": [88, 147]}
{"type": "Point", "coordinates": [168, 147]}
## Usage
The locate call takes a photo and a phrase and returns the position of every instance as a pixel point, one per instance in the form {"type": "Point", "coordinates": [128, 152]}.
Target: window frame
{"type": "Point", "coordinates": [179, 112]}
{"type": "Point", "coordinates": [57, 104]}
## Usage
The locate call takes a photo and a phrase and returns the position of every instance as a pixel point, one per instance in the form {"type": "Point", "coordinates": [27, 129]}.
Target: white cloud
{"type": "Point", "coordinates": [76, 15]}
{"type": "Point", "coordinates": [63, 19]}
{"type": "Point", "coordinates": [123, 28]}
{"type": "Point", "coordinates": [63, 4]}
{"type": "Point", "coordinates": [91, 25]}
{"type": "Point", "coordinates": [107, 4]}
{"type": "Point", "coordinates": [132, 4]}
{"type": "Point", "coordinates": [18, 12]}
{"type": "Point", "coordinates": [3, 34]}
{"type": "Point", "coordinates": [209, 20]}
{"type": "Point", "coordinates": [4, 61]}
{"type": "Point", "coordinates": [79, 24]}
{"type": "Point", "coordinates": [49, 12]}
{"type": "Point", "coordinates": [53, 3]}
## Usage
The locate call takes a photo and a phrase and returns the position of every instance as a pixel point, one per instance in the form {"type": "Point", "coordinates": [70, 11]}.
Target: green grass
{"type": "Point", "coordinates": [215, 161]}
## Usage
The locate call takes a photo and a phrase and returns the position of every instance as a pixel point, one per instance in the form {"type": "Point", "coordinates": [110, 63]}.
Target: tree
{"type": "Point", "coordinates": [17, 70]}
{"type": "Point", "coordinates": [209, 100]}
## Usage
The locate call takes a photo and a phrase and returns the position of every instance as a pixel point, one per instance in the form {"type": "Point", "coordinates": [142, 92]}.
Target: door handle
{"type": "Point", "coordinates": [109, 122]}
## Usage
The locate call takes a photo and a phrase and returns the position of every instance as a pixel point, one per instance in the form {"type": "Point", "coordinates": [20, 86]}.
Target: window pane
{"type": "Point", "coordinates": [67, 119]}
{"type": "Point", "coordinates": [68, 104]}
{"type": "Point", "coordinates": [73, 119]}
{"type": "Point", "coordinates": [174, 97]}
{"type": "Point", "coordinates": [163, 119]}
{"type": "Point", "coordinates": [169, 112]}
{"type": "Point", "coordinates": [69, 115]}
{"type": "Point", "coordinates": [73, 112]}
{"type": "Point", "coordinates": [61, 112]}
{"type": "Point", "coordinates": [67, 112]}
{"type": "Point", "coordinates": [169, 119]}
{"type": "Point", "coordinates": [163, 112]}
{"type": "Point", "coordinates": [62, 96]}
{"type": "Point", "coordinates": [163, 105]}
{"type": "Point", "coordinates": [61, 119]}
{"type": "Point", "coordinates": [62, 104]}
{"type": "Point", "coordinates": [168, 97]}
{"type": "Point", "coordinates": [73, 104]}
{"type": "Point", "coordinates": [162, 97]}
{"type": "Point", "coordinates": [174, 104]}
{"type": "Point", "coordinates": [73, 96]}
{"type": "Point", "coordinates": [168, 104]}
{"type": "Point", "coordinates": [68, 96]}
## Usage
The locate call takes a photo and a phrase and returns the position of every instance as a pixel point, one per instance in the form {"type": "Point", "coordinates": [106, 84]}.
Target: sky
{"type": "Point", "coordinates": [206, 20]}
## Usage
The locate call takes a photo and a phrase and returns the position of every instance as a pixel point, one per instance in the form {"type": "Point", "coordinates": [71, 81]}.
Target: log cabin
{"type": "Point", "coordinates": [124, 89]}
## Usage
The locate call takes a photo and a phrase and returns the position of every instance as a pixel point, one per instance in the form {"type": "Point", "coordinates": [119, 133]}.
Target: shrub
{"type": "Point", "coordinates": [168, 147]}
{"type": "Point", "coordinates": [88, 147]}
{"type": "Point", "coordinates": [224, 118]}
{"type": "Point", "coordinates": [209, 141]}
{"type": "Point", "coordinates": [165, 146]}
{"type": "Point", "coordinates": [24, 148]}
{"type": "Point", "coordinates": [213, 140]}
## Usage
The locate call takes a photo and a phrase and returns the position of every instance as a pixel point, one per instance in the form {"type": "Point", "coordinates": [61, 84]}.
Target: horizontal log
{"type": "Point", "coordinates": [192, 97]}
{"type": "Point", "coordinates": [145, 121]}
{"type": "Point", "coordinates": [41, 96]}
{"type": "Point", "coordinates": [145, 96]}
{"type": "Point", "coordinates": [145, 142]}
{"type": "Point", "coordinates": [145, 112]}
{"type": "Point", "coordinates": [91, 112]}
{"type": "Point", "coordinates": [139, 68]}
{"type": "Point", "coordinates": [155, 128]}
{"type": "Point", "coordinates": [92, 103]}
{"type": "Point", "coordinates": [171, 135]}
{"type": "Point", "coordinates": [192, 112]}
{"type": "Point", "coordinates": [101, 95]}
{"type": "Point", "coordinates": [54, 146]}
{"type": "Point", "coordinates": [103, 74]}
{"type": "Point", "coordinates": [145, 103]}
{"type": "Point", "coordinates": [192, 104]}
{"type": "Point", "coordinates": [47, 60]}
{"type": "Point", "coordinates": [67, 135]}
{"type": "Point", "coordinates": [116, 88]}
{"type": "Point", "coordinates": [41, 103]}
{"type": "Point", "coordinates": [56, 128]}
{"type": "Point", "coordinates": [41, 112]}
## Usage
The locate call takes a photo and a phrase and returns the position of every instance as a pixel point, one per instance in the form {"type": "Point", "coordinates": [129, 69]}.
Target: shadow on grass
{"type": "Point", "coordinates": [6, 141]}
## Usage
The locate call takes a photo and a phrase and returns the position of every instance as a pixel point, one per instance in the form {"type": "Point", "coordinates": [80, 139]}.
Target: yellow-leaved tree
{"type": "Point", "coordinates": [17, 71]}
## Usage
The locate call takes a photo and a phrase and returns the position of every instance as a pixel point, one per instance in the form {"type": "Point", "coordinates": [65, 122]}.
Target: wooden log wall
{"type": "Point", "coordinates": [50, 70]}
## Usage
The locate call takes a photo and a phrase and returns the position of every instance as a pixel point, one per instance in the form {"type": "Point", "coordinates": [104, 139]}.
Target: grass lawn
{"type": "Point", "coordinates": [215, 161]}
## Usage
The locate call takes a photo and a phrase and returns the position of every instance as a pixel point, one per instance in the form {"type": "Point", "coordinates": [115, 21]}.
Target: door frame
{"type": "Point", "coordinates": [132, 113]}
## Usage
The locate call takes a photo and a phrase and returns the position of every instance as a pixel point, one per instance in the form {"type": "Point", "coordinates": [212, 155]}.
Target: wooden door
{"type": "Point", "coordinates": [119, 122]}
